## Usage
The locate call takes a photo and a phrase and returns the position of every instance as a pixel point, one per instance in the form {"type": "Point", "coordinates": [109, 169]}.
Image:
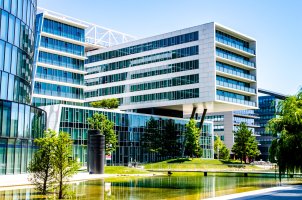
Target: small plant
{"type": "Point", "coordinates": [106, 103]}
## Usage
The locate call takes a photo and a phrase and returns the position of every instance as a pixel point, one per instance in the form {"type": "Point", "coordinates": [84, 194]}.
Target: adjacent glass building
{"type": "Point", "coordinates": [20, 123]}
{"type": "Point", "coordinates": [268, 109]}
{"type": "Point", "coordinates": [129, 127]}
{"type": "Point", "coordinates": [59, 73]}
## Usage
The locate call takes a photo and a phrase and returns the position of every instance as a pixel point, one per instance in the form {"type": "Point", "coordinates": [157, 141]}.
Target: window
{"type": "Point", "coordinates": [2, 50]}
{"type": "Point", "coordinates": [4, 84]}
{"type": "Point", "coordinates": [4, 25]}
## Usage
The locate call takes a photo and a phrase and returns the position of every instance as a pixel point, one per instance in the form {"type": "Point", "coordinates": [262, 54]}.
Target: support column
{"type": "Point", "coordinates": [202, 118]}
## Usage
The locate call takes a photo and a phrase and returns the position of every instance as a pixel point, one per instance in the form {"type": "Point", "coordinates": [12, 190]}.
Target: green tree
{"type": "Point", "coordinates": [64, 166]}
{"type": "Point", "coordinates": [169, 139]}
{"type": "Point", "coordinates": [106, 127]}
{"type": "Point", "coordinates": [192, 138]}
{"type": "Point", "coordinates": [151, 140]}
{"type": "Point", "coordinates": [106, 103]}
{"type": "Point", "coordinates": [287, 149]}
{"type": "Point", "coordinates": [41, 167]}
{"type": "Point", "coordinates": [220, 149]}
{"type": "Point", "coordinates": [245, 145]}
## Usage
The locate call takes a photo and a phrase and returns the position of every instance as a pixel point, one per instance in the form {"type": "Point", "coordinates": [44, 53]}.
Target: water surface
{"type": "Point", "coordinates": [184, 186]}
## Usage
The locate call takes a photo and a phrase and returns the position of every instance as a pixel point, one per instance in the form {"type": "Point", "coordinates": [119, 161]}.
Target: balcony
{"type": "Point", "coordinates": [235, 73]}
{"type": "Point", "coordinates": [59, 79]}
{"type": "Point", "coordinates": [237, 87]}
{"type": "Point", "coordinates": [229, 42]}
{"type": "Point", "coordinates": [232, 57]}
{"type": "Point", "coordinates": [234, 100]}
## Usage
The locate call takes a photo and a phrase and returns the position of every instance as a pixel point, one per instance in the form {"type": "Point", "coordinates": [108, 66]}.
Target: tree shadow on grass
{"type": "Point", "coordinates": [179, 160]}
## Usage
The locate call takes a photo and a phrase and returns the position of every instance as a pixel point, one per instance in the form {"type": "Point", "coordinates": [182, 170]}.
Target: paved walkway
{"type": "Point", "coordinates": [22, 179]}
{"type": "Point", "coordinates": [276, 193]}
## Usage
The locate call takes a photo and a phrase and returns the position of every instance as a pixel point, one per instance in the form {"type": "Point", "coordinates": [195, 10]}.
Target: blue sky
{"type": "Point", "coordinates": [275, 24]}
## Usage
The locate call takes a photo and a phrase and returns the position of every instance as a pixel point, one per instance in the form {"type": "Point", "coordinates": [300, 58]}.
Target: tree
{"type": "Point", "coordinates": [192, 138]}
{"type": "Point", "coordinates": [106, 127]}
{"type": "Point", "coordinates": [287, 149]}
{"type": "Point", "coordinates": [169, 140]}
{"type": "Point", "coordinates": [41, 169]}
{"type": "Point", "coordinates": [245, 145]}
{"type": "Point", "coordinates": [64, 166]}
{"type": "Point", "coordinates": [151, 139]}
{"type": "Point", "coordinates": [220, 149]}
{"type": "Point", "coordinates": [106, 103]}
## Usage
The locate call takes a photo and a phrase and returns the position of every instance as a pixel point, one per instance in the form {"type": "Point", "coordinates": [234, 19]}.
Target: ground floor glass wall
{"type": "Point", "coordinates": [20, 125]}
{"type": "Point", "coordinates": [129, 129]}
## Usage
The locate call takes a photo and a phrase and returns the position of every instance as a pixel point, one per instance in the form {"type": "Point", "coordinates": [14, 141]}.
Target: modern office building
{"type": "Point", "coordinates": [268, 109]}
{"type": "Point", "coordinates": [61, 44]}
{"type": "Point", "coordinates": [129, 127]}
{"type": "Point", "coordinates": [203, 67]}
{"type": "Point", "coordinates": [20, 123]}
{"type": "Point", "coordinates": [225, 123]}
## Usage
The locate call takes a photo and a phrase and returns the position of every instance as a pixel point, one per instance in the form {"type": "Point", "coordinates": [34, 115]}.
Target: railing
{"type": "Point", "coordinates": [237, 87]}
{"type": "Point", "coordinates": [229, 99]}
{"type": "Point", "coordinates": [210, 167]}
{"type": "Point", "coordinates": [230, 43]}
{"type": "Point", "coordinates": [229, 71]}
{"type": "Point", "coordinates": [230, 57]}
{"type": "Point", "coordinates": [60, 79]}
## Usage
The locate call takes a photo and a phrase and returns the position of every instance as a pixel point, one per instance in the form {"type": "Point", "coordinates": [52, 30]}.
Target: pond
{"type": "Point", "coordinates": [185, 186]}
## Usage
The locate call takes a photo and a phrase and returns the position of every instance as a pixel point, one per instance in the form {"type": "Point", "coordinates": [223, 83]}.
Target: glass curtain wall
{"type": "Point", "coordinates": [20, 123]}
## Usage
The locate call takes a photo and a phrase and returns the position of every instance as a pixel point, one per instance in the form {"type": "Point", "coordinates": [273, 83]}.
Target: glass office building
{"type": "Point", "coordinates": [59, 74]}
{"type": "Point", "coordinates": [205, 67]}
{"type": "Point", "coordinates": [129, 127]}
{"type": "Point", "coordinates": [20, 123]}
{"type": "Point", "coordinates": [268, 109]}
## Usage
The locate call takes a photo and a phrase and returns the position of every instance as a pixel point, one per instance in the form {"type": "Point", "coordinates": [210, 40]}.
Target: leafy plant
{"type": "Point", "coordinates": [192, 138]}
{"type": "Point", "coordinates": [245, 145]}
{"type": "Point", "coordinates": [106, 103]}
{"type": "Point", "coordinates": [286, 150]}
{"type": "Point", "coordinates": [41, 168]}
{"type": "Point", "coordinates": [106, 127]}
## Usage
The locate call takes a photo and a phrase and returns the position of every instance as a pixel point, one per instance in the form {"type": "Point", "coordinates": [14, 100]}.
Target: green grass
{"type": "Point", "coordinates": [124, 170]}
{"type": "Point", "coordinates": [200, 164]}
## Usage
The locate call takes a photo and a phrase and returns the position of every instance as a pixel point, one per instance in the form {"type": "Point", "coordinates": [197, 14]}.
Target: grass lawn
{"type": "Point", "coordinates": [200, 164]}
{"type": "Point", "coordinates": [124, 170]}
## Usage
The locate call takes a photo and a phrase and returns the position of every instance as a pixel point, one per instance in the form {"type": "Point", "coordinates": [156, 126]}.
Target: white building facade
{"type": "Point", "coordinates": [207, 67]}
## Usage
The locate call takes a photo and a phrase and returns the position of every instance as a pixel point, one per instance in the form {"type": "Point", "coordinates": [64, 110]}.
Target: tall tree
{"type": "Point", "coordinates": [64, 166]}
{"type": "Point", "coordinates": [106, 127]}
{"type": "Point", "coordinates": [192, 140]}
{"type": "Point", "coordinates": [151, 140]}
{"type": "Point", "coordinates": [287, 149]}
{"type": "Point", "coordinates": [245, 145]}
{"type": "Point", "coordinates": [169, 140]}
{"type": "Point", "coordinates": [220, 149]}
{"type": "Point", "coordinates": [41, 168]}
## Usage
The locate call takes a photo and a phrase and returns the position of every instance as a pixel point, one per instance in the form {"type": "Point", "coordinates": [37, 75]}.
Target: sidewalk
{"type": "Point", "coordinates": [276, 193]}
{"type": "Point", "coordinates": [22, 179]}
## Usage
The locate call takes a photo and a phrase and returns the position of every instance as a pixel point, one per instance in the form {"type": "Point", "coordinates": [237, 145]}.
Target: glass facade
{"type": "Point", "coordinates": [233, 41]}
{"type": "Point", "coordinates": [235, 98]}
{"type": "Point", "coordinates": [233, 56]}
{"type": "Point", "coordinates": [169, 55]}
{"type": "Point", "coordinates": [53, 66]}
{"type": "Point", "coordinates": [268, 109]}
{"type": "Point", "coordinates": [231, 83]}
{"type": "Point", "coordinates": [234, 70]}
{"type": "Point", "coordinates": [180, 39]}
{"type": "Point", "coordinates": [129, 128]}
{"type": "Point", "coordinates": [20, 123]}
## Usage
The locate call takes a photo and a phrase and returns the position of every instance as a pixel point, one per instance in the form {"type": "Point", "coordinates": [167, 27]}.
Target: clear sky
{"type": "Point", "coordinates": [275, 24]}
